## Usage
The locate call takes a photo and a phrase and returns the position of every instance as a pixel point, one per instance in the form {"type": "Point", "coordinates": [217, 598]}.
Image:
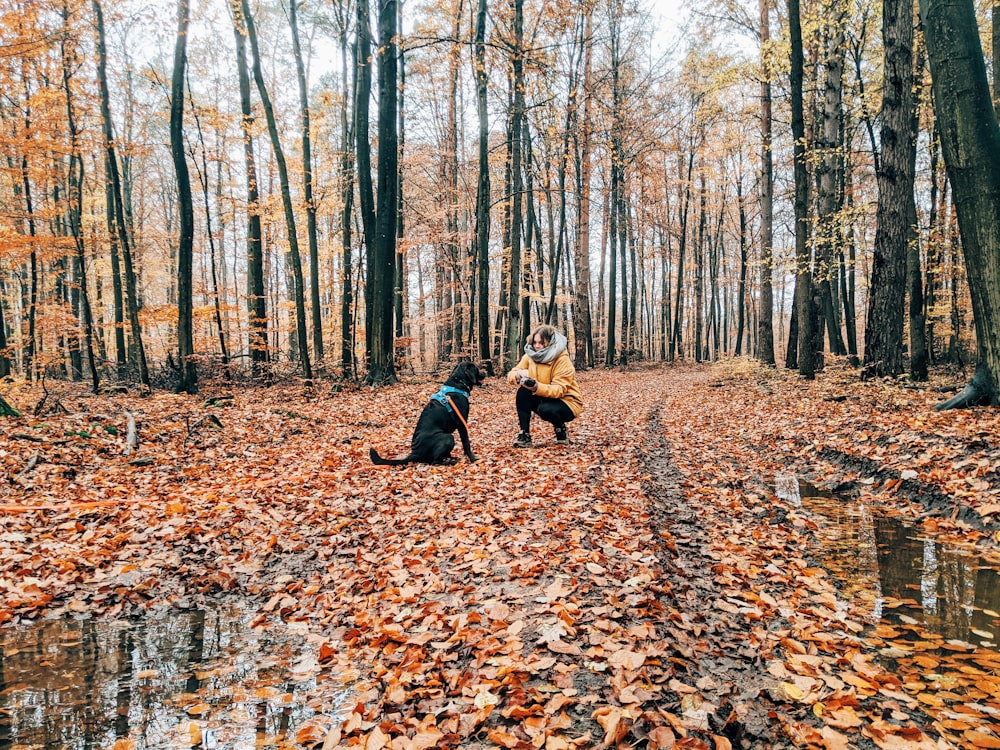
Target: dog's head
{"type": "Point", "coordinates": [466, 375]}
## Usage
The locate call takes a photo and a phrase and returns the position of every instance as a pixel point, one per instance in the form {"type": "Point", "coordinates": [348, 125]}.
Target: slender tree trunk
{"type": "Point", "coordinates": [677, 338]}
{"type": "Point", "coordinates": [482, 250]}
{"type": "Point", "coordinates": [257, 342]}
{"type": "Point", "coordinates": [188, 382]}
{"type": "Point", "coordinates": [829, 198]}
{"type": "Point", "coordinates": [583, 322]}
{"type": "Point", "coordinates": [514, 333]}
{"type": "Point", "coordinates": [741, 291]}
{"type": "Point", "coordinates": [803, 277]}
{"type": "Point", "coordinates": [308, 180]}
{"type": "Point", "coordinates": [765, 319]}
{"type": "Point", "coordinates": [366, 194]}
{"type": "Point", "coordinates": [298, 291]}
{"type": "Point", "coordinates": [116, 205]}
{"type": "Point", "coordinates": [202, 172]}
{"type": "Point", "coordinates": [914, 274]}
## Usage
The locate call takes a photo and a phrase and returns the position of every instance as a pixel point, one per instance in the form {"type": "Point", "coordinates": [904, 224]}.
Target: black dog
{"type": "Point", "coordinates": [432, 437]}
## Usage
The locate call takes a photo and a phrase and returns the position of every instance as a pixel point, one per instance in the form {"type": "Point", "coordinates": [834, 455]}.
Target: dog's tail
{"type": "Point", "coordinates": [379, 461]}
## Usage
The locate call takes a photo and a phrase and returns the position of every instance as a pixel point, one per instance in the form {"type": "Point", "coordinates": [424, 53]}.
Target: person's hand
{"type": "Point", "coordinates": [520, 376]}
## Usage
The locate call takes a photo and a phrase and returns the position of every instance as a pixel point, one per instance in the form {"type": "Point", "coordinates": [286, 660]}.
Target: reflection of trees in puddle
{"type": "Point", "coordinates": [934, 609]}
{"type": "Point", "coordinates": [888, 571]}
{"type": "Point", "coordinates": [86, 683]}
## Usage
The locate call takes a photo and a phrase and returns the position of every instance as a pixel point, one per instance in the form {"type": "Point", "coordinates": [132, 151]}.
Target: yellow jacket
{"type": "Point", "coordinates": [555, 380]}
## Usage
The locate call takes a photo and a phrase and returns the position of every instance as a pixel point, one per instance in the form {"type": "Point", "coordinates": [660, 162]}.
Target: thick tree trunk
{"type": "Point", "coordinates": [884, 323]}
{"type": "Point", "coordinates": [970, 142]}
{"type": "Point", "coordinates": [382, 272]}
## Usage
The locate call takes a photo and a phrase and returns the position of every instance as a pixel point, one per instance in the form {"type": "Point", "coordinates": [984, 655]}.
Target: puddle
{"type": "Point", "coordinates": [197, 677]}
{"type": "Point", "coordinates": [894, 574]}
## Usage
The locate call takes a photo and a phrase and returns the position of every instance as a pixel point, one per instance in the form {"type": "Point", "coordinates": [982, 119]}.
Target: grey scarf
{"type": "Point", "coordinates": [547, 355]}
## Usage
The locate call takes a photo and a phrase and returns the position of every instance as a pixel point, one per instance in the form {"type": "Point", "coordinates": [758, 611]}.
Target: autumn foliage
{"type": "Point", "coordinates": [642, 586]}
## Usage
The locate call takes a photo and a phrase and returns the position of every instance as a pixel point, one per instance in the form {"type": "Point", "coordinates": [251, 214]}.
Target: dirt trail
{"type": "Point", "coordinates": [640, 587]}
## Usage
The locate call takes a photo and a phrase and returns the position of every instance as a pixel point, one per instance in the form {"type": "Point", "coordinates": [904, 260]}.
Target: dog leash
{"type": "Point", "coordinates": [458, 413]}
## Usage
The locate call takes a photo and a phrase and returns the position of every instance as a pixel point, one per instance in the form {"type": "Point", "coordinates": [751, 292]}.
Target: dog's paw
{"type": "Point", "coordinates": [473, 459]}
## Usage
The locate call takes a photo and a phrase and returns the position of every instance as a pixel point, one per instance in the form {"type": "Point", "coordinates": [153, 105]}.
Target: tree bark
{"type": "Point", "coordinates": [256, 294]}
{"type": "Point", "coordinates": [298, 292]}
{"type": "Point", "coordinates": [514, 332]}
{"type": "Point", "coordinates": [382, 272]}
{"type": "Point", "coordinates": [307, 179]}
{"type": "Point", "coordinates": [482, 248]}
{"type": "Point", "coordinates": [188, 382]}
{"type": "Point", "coordinates": [765, 318]}
{"type": "Point", "coordinates": [366, 195]}
{"type": "Point", "coordinates": [884, 322]}
{"type": "Point", "coordinates": [970, 142]}
{"type": "Point", "coordinates": [116, 204]}
{"type": "Point", "coordinates": [582, 319]}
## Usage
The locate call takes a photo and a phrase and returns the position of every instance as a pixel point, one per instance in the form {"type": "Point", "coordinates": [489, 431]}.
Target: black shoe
{"type": "Point", "coordinates": [562, 434]}
{"type": "Point", "coordinates": [523, 441]}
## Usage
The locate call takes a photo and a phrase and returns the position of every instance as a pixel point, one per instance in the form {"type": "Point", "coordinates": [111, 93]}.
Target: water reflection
{"type": "Point", "coordinates": [205, 678]}
{"type": "Point", "coordinates": [890, 572]}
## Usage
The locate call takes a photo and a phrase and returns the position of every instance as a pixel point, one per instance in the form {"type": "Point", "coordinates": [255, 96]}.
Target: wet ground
{"type": "Point", "coordinates": [189, 678]}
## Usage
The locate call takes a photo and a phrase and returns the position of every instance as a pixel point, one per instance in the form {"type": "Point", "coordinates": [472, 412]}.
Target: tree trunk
{"type": "Point", "coordinates": [829, 197]}
{"type": "Point", "coordinates": [765, 318]}
{"type": "Point", "coordinates": [116, 204]}
{"type": "Point", "coordinates": [803, 277]}
{"type": "Point", "coordinates": [970, 142]}
{"type": "Point", "coordinates": [366, 196]}
{"type": "Point", "coordinates": [307, 179]}
{"type": "Point", "coordinates": [914, 275]}
{"type": "Point", "coordinates": [582, 319]}
{"type": "Point", "coordinates": [210, 234]}
{"type": "Point", "coordinates": [884, 323]}
{"type": "Point", "coordinates": [346, 182]}
{"type": "Point", "coordinates": [298, 291]}
{"type": "Point", "coordinates": [256, 293]}
{"type": "Point", "coordinates": [482, 248]}
{"type": "Point", "coordinates": [382, 272]}
{"type": "Point", "coordinates": [741, 291]}
{"type": "Point", "coordinates": [188, 382]}
{"type": "Point", "coordinates": [677, 337]}
{"type": "Point", "coordinates": [514, 332]}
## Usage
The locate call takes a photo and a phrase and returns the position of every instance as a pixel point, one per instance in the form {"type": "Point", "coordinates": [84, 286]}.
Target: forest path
{"type": "Point", "coordinates": [641, 585]}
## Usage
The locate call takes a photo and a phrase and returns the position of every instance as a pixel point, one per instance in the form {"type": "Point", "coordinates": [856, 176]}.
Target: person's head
{"type": "Point", "coordinates": [541, 337]}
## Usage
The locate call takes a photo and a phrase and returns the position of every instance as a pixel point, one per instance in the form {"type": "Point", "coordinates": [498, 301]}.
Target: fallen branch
{"type": "Point", "coordinates": [32, 463]}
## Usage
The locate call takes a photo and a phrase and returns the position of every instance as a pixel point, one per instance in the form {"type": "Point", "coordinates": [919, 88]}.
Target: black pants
{"type": "Point", "coordinates": [550, 409]}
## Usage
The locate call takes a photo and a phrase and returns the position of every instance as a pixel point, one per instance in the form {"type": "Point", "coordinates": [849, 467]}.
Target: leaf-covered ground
{"type": "Point", "coordinates": [642, 586]}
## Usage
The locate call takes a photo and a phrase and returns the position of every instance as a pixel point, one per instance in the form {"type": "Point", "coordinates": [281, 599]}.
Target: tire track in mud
{"type": "Point", "coordinates": [713, 657]}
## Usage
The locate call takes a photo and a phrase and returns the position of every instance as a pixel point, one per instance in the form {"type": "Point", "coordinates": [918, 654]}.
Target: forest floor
{"type": "Point", "coordinates": [647, 585]}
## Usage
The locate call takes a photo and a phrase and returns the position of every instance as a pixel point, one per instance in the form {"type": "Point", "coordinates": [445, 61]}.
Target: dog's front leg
{"type": "Point", "coordinates": [463, 433]}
